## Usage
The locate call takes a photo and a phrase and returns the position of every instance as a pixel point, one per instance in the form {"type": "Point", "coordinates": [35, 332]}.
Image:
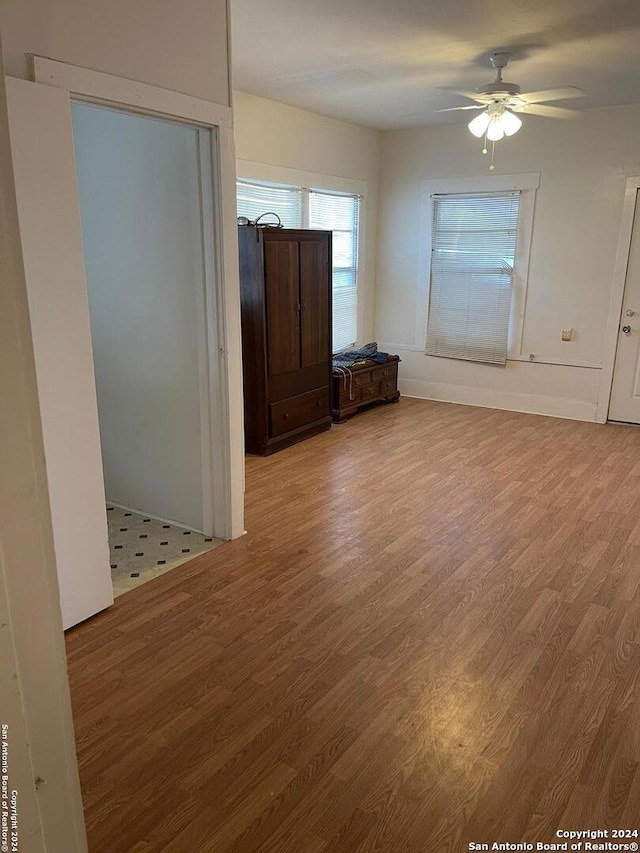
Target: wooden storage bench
{"type": "Point", "coordinates": [364, 383]}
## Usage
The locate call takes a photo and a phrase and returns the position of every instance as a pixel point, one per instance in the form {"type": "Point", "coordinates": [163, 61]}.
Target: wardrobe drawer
{"type": "Point", "coordinates": [299, 410]}
{"type": "Point", "coordinates": [389, 386]}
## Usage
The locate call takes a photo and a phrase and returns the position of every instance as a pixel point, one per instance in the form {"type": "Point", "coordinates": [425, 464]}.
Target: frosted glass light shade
{"type": "Point", "coordinates": [510, 123]}
{"type": "Point", "coordinates": [479, 124]}
{"type": "Point", "coordinates": [495, 130]}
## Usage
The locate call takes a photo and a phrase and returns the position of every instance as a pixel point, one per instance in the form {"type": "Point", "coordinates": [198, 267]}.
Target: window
{"type": "Point", "coordinates": [255, 199]}
{"type": "Point", "coordinates": [300, 207]}
{"type": "Point", "coordinates": [339, 213]}
{"type": "Point", "coordinates": [473, 255]}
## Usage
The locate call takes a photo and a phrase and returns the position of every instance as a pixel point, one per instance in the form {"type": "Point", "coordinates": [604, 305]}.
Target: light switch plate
{"type": "Point", "coordinates": [567, 334]}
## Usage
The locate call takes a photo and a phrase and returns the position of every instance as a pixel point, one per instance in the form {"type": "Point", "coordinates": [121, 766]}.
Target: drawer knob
{"type": "Point", "coordinates": [285, 415]}
{"type": "Point", "coordinates": [319, 403]}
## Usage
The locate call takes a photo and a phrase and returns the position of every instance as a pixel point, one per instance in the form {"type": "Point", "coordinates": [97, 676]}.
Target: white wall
{"type": "Point", "coordinates": [178, 46]}
{"type": "Point", "coordinates": [583, 167]}
{"type": "Point", "coordinates": [277, 135]}
{"type": "Point", "coordinates": [139, 192]}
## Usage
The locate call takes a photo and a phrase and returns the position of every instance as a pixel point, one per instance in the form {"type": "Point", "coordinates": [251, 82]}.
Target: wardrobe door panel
{"type": "Point", "coordinates": [315, 282]}
{"type": "Point", "coordinates": [283, 306]}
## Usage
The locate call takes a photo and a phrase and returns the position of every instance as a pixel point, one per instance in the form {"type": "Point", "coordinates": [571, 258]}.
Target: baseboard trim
{"type": "Point", "coordinates": [533, 404]}
{"type": "Point", "coordinates": [154, 517]}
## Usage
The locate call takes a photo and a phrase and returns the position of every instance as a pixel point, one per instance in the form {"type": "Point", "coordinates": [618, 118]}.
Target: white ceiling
{"type": "Point", "coordinates": [390, 63]}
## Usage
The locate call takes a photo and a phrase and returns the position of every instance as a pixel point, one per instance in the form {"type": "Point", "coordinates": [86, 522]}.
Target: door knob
{"type": "Point", "coordinates": [626, 330]}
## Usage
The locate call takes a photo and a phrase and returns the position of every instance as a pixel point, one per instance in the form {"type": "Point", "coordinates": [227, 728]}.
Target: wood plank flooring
{"type": "Point", "coordinates": [429, 636]}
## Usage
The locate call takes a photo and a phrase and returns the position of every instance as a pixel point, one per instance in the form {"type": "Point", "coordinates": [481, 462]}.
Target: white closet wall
{"type": "Point", "coordinates": [139, 191]}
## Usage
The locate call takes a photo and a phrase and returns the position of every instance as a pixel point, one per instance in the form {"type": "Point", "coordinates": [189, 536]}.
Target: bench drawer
{"type": "Point", "coordinates": [370, 393]}
{"type": "Point", "coordinates": [389, 372]}
{"type": "Point", "coordinates": [361, 378]}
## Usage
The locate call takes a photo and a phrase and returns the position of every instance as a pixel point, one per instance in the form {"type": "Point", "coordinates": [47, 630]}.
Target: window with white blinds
{"type": "Point", "coordinates": [256, 199]}
{"type": "Point", "coordinates": [473, 251]}
{"type": "Point", "coordinates": [339, 214]}
{"type": "Point", "coordinates": [300, 207]}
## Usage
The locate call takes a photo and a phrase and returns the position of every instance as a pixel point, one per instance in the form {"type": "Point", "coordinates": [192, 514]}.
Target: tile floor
{"type": "Point", "coordinates": [142, 548]}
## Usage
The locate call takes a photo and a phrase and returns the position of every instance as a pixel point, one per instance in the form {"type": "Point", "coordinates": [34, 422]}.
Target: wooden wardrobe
{"type": "Point", "coordinates": [285, 286]}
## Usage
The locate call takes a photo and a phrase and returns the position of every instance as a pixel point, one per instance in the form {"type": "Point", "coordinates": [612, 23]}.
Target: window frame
{"type": "Point", "coordinates": [526, 184]}
{"type": "Point", "coordinates": [247, 170]}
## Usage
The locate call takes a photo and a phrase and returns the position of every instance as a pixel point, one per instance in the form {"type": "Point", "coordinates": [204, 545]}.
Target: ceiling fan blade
{"type": "Point", "coordinates": [473, 96]}
{"type": "Point", "coordinates": [552, 95]}
{"type": "Point", "coordinates": [453, 109]}
{"type": "Point", "coordinates": [548, 112]}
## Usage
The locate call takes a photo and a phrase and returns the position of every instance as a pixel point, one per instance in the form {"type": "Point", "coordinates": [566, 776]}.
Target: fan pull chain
{"type": "Point", "coordinates": [493, 151]}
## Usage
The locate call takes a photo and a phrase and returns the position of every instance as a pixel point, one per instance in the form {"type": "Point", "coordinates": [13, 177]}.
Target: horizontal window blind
{"type": "Point", "coordinates": [340, 214]}
{"type": "Point", "coordinates": [255, 199]}
{"type": "Point", "coordinates": [474, 242]}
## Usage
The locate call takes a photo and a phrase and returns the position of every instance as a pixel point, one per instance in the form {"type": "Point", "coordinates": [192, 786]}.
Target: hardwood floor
{"type": "Point", "coordinates": [429, 636]}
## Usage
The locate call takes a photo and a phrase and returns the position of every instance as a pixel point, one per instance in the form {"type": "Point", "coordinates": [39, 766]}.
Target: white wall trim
{"type": "Point", "coordinates": [207, 330]}
{"type": "Point", "coordinates": [617, 296]}
{"type": "Point", "coordinates": [250, 170]}
{"type": "Point", "coordinates": [97, 87]}
{"type": "Point", "coordinates": [225, 338]}
{"type": "Point", "coordinates": [228, 421]}
{"type": "Point", "coordinates": [146, 514]}
{"type": "Point", "coordinates": [482, 183]}
{"type": "Point", "coordinates": [590, 365]}
{"type": "Point", "coordinates": [487, 398]}
{"type": "Point", "coordinates": [557, 362]}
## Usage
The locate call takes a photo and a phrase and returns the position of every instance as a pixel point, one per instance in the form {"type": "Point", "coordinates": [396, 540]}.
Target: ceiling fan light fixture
{"type": "Point", "coordinates": [500, 101]}
{"type": "Point", "coordinates": [495, 130]}
{"type": "Point", "coordinates": [510, 123]}
{"type": "Point", "coordinates": [478, 126]}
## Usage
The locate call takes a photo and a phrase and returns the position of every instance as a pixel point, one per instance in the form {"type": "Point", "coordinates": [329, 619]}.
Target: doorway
{"type": "Point", "coordinates": [144, 215]}
{"type": "Point", "coordinates": [625, 391]}
{"type": "Point", "coordinates": [46, 188]}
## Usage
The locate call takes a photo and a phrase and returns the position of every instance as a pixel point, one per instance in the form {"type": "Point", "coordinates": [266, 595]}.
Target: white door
{"type": "Point", "coordinates": [42, 150]}
{"type": "Point", "coordinates": [625, 393]}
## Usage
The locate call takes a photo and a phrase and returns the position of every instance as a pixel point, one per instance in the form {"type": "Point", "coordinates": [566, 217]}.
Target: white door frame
{"type": "Point", "coordinates": [617, 297]}
{"type": "Point", "coordinates": [222, 283]}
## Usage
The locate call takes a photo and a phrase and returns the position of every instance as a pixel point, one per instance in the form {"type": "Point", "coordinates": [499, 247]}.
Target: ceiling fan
{"type": "Point", "coordinates": [500, 101]}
